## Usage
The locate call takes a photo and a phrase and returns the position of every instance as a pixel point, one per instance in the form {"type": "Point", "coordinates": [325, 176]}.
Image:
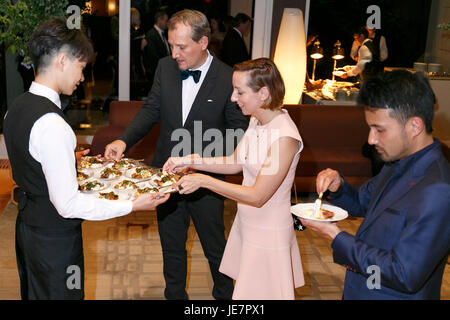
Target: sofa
{"type": "Point", "coordinates": [332, 135]}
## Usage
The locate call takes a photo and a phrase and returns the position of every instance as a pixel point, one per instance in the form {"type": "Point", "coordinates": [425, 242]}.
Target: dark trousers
{"type": "Point", "coordinates": [206, 211]}
{"type": "Point", "coordinates": [50, 262]}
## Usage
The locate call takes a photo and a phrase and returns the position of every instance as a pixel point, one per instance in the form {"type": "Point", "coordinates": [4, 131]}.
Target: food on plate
{"type": "Point", "coordinates": [146, 190]}
{"type": "Point", "coordinates": [92, 186]}
{"type": "Point", "coordinates": [110, 173]}
{"type": "Point", "coordinates": [91, 162]}
{"type": "Point", "coordinates": [82, 176]}
{"type": "Point", "coordinates": [142, 172]}
{"type": "Point", "coordinates": [339, 73]}
{"type": "Point", "coordinates": [123, 164]}
{"type": "Point", "coordinates": [322, 214]}
{"type": "Point", "coordinates": [165, 179]}
{"type": "Point", "coordinates": [126, 185]}
{"type": "Point", "coordinates": [108, 195]}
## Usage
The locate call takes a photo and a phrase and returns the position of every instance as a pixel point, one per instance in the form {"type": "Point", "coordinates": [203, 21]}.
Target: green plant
{"type": "Point", "coordinates": [444, 26]}
{"type": "Point", "coordinates": [19, 18]}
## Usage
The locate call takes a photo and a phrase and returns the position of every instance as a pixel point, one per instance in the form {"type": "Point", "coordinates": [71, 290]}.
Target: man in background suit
{"type": "Point", "coordinates": [157, 46]}
{"type": "Point", "coordinates": [234, 49]}
{"type": "Point", "coordinates": [190, 97]}
{"type": "Point", "coordinates": [402, 246]}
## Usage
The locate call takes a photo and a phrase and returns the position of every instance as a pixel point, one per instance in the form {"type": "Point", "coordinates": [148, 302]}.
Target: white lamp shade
{"type": "Point", "coordinates": [290, 54]}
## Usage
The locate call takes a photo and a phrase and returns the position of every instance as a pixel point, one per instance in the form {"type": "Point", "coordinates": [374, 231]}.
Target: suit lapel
{"type": "Point", "coordinates": [405, 184]}
{"type": "Point", "coordinates": [176, 100]}
{"type": "Point", "coordinates": [204, 92]}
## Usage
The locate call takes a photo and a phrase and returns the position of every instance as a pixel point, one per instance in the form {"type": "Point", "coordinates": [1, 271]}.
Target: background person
{"type": "Point", "coordinates": [157, 46]}
{"type": "Point", "coordinates": [234, 49]}
{"type": "Point", "coordinates": [40, 145]}
{"type": "Point", "coordinates": [405, 232]}
{"type": "Point", "coordinates": [368, 63]}
{"type": "Point", "coordinates": [262, 253]}
{"type": "Point", "coordinates": [191, 88]}
{"type": "Point", "coordinates": [379, 42]}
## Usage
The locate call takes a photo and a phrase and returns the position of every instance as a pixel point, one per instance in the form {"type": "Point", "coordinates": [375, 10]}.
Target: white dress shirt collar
{"type": "Point", "coordinates": [205, 66]}
{"type": "Point", "coordinates": [44, 91]}
{"type": "Point", "coordinates": [237, 30]}
{"type": "Point", "coordinates": [190, 88]}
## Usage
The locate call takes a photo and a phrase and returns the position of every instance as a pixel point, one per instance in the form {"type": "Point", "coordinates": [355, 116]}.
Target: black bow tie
{"type": "Point", "coordinates": [194, 73]}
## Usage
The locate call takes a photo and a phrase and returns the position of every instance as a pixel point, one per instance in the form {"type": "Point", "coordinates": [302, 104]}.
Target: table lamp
{"type": "Point", "coordinates": [316, 54]}
{"type": "Point", "coordinates": [338, 54]}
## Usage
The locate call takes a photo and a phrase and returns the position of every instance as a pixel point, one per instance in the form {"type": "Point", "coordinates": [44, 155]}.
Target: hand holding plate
{"type": "Point", "coordinates": [179, 164]}
{"type": "Point", "coordinates": [324, 230]}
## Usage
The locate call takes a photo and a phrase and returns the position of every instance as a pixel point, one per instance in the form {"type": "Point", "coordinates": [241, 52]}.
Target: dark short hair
{"type": "Point", "coordinates": [362, 30]}
{"type": "Point", "coordinates": [159, 14]}
{"type": "Point", "coordinates": [405, 93]}
{"type": "Point", "coordinates": [264, 73]}
{"type": "Point", "coordinates": [240, 18]}
{"type": "Point", "coordinates": [52, 37]}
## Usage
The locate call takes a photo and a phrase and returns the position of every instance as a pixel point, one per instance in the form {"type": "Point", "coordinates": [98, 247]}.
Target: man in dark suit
{"type": "Point", "coordinates": [234, 49]}
{"type": "Point", "coordinates": [157, 46]}
{"type": "Point", "coordinates": [402, 246]}
{"type": "Point", "coordinates": [191, 99]}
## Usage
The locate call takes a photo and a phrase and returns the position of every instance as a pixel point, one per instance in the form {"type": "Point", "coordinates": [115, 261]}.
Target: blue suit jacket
{"type": "Point", "coordinates": [405, 233]}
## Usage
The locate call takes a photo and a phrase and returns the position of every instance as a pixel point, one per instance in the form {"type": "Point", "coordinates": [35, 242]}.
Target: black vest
{"type": "Point", "coordinates": [374, 67]}
{"type": "Point", "coordinates": [34, 206]}
{"type": "Point", "coordinates": [374, 49]}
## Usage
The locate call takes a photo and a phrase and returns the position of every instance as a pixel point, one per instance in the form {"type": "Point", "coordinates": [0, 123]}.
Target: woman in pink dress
{"type": "Point", "coordinates": [262, 253]}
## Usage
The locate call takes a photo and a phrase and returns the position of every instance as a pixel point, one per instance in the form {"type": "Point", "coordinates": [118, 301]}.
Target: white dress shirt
{"type": "Point", "coordinates": [52, 144]}
{"type": "Point", "coordinates": [190, 88]}
{"type": "Point", "coordinates": [364, 56]}
{"type": "Point", "coordinates": [163, 38]}
{"type": "Point", "coordinates": [383, 49]}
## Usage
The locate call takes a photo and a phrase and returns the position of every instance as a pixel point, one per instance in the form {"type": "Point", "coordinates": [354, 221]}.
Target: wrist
{"type": "Point", "coordinates": [207, 182]}
{"type": "Point", "coordinates": [333, 233]}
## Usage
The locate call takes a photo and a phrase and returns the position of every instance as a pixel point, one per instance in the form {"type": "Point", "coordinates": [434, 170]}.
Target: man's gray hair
{"type": "Point", "coordinates": [198, 21]}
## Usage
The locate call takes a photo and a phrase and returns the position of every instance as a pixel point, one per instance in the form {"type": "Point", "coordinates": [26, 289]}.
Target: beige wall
{"type": "Point", "coordinates": [438, 41]}
{"type": "Point", "coordinates": [244, 6]}
{"type": "Point", "coordinates": [441, 123]}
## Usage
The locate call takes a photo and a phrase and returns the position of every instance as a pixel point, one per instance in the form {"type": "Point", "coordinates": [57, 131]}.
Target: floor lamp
{"type": "Point", "coordinates": [290, 54]}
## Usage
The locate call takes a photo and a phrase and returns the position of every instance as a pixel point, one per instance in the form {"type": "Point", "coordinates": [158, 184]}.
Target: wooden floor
{"type": "Point", "coordinates": [123, 258]}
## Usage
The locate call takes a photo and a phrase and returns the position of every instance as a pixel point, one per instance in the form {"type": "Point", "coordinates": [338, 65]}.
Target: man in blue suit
{"type": "Point", "coordinates": [402, 246]}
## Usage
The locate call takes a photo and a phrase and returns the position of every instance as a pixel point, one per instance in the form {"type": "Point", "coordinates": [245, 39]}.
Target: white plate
{"type": "Point", "coordinates": [105, 185]}
{"type": "Point", "coordinates": [99, 174]}
{"type": "Point", "coordinates": [300, 211]}
{"type": "Point", "coordinates": [167, 189]}
{"type": "Point", "coordinates": [92, 166]}
{"type": "Point", "coordinates": [122, 195]}
{"type": "Point", "coordinates": [129, 174]}
{"type": "Point", "coordinates": [114, 184]}
{"type": "Point", "coordinates": [130, 164]}
{"type": "Point", "coordinates": [84, 171]}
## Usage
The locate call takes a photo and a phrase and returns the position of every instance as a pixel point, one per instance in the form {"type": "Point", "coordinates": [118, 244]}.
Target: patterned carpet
{"type": "Point", "coordinates": [123, 260]}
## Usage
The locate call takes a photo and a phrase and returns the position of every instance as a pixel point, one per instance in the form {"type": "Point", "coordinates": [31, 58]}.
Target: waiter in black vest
{"type": "Point", "coordinates": [368, 63]}
{"type": "Point", "coordinates": [40, 145]}
{"type": "Point", "coordinates": [190, 97]}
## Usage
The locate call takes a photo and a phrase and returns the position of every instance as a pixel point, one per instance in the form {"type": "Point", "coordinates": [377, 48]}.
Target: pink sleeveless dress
{"type": "Point", "coordinates": [262, 253]}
